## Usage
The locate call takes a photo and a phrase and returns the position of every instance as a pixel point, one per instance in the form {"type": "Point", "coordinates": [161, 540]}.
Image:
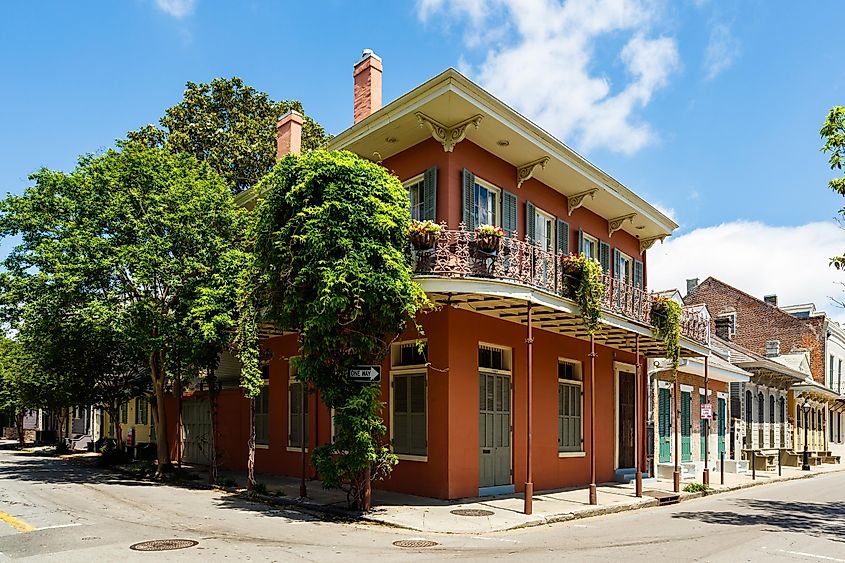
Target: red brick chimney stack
{"type": "Point", "coordinates": [367, 92]}
{"type": "Point", "coordinates": [289, 134]}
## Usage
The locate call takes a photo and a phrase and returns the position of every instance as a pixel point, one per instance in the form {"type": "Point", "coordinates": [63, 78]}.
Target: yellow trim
{"type": "Point", "coordinates": [16, 523]}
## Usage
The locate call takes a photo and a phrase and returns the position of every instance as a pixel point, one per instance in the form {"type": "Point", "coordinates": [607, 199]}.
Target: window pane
{"type": "Point", "coordinates": [417, 394]}
{"type": "Point", "coordinates": [400, 394]}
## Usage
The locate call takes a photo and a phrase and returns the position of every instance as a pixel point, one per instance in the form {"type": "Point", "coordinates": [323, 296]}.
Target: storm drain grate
{"type": "Point", "coordinates": [471, 512]}
{"type": "Point", "coordinates": [414, 543]}
{"type": "Point", "coordinates": [162, 545]}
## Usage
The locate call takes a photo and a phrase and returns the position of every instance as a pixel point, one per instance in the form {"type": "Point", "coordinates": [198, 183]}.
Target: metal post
{"type": "Point", "coordinates": [753, 466]}
{"type": "Point", "coordinates": [303, 491]}
{"type": "Point", "coordinates": [676, 475]}
{"type": "Point", "coordinates": [529, 484]}
{"type": "Point", "coordinates": [722, 467]}
{"type": "Point", "coordinates": [806, 465]}
{"type": "Point", "coordinates": [638, 412]}
{"type": "Point", "coordinates": [593, 495]}
{"type": "Point", "coordinates": [779, 465]}
{"type": "Point", "coordinates": [705, 478]}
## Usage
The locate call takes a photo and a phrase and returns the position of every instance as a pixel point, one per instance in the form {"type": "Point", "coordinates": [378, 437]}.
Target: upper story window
{"type": "Point", "coordinates": [726, 325]}
{"type": "Point", "coordinates": [544, 229]}
{"type": "Point", "coordinates": [408, 354]}
{"type": "Point", "coordinates": [416, 193]}
{"type": "Point", "coordinates": [589, 246]}
{"type": "Point", "coordinates": [624, 267]}
{"type": "Point", "coordinates": [486, 203]}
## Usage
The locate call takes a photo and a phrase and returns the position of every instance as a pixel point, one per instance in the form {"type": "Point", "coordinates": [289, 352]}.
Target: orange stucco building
{"type": "Point", "coordinates": [458, 416]}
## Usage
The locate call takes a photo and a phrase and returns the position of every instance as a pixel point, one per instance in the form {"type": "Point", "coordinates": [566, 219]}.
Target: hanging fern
{"type": "Point", "coordinates": [584, 276]}
{"type": "Point", "coordinates": [666, 326]}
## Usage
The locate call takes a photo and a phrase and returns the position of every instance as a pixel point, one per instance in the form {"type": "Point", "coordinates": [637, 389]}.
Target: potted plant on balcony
{"type": "Point", "coordinates": [582, 283]}
{"type": "Point", "coordinates": [666, 326]}
{"type": "Point", "coordinates": [423, 234]}
{"type": "Point", "coordinates": [488, 238]}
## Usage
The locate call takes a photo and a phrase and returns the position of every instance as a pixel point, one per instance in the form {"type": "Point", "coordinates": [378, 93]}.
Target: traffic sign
{"type": "Point", "coordinates": [707, 411]}
{"type": "Point", "coordinates": [365, 374]}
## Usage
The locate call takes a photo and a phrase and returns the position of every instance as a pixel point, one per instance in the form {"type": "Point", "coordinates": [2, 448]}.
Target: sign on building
{"type": "Point", "coordinates": [707, 411]}
{"type": "Point", "coordinates": [365, 374]}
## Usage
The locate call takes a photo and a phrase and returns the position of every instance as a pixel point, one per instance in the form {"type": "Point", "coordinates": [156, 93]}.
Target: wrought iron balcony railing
{"type": "Point", "coordinates": [458, 254]}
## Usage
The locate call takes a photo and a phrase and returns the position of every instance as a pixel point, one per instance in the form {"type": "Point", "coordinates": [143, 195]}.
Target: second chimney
{"type": "Point", "coordinates": [289, 134]}
{"type": "Point", "coordinates": [692, 283]}
{"type": "Point", "coordinates": [367, 92]}
{"type": "Point", "coordinates": [771, 300]}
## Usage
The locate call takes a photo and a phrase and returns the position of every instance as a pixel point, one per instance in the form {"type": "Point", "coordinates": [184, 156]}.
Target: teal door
{"type": "Point", "coordinates": [702, 430]}
{"type": "Point", "coordinates": [686, 425]}
{"type": "Point", "coordinates": [722, 424]}
{"type": "Point", "coordinates": [664, 416]}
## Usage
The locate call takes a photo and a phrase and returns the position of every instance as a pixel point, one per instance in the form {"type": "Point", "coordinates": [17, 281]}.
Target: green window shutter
{"type": "Point", "coordinates": [417, 415]}
{"type": "Point", "coordinates": [430, 194]}
{"type": "Point", "coordinates": [400, 415]}
{"type": "Point", "coordinates": [469, 215]}
{"type": "Point", "coordinates": [604, 256]}
{"type": "Point", "coordinates": [617, 259]}
{"type": "Point", "coordinates": [638, 274]}
{"type": "Point", "coordinates": [530, 222]}
{"type": "Point", "coordinates": [580, 241]}
{"type": "Point", "coordinates": [509, 220]}
{"type": "Point", "coordinates": [562, 242]}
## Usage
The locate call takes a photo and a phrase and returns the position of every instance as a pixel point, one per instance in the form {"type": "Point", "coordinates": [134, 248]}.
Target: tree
{"type": "Point", "coordinates": [12, 397]}
{"type": "Point", "coordinates": [833, 133]}
{"type": "Point", "coordinates": [332, 263]}
{"type": "Point", "coordinates": [229, 125]}
{"type": "Point", "coordinates": [146, 241]}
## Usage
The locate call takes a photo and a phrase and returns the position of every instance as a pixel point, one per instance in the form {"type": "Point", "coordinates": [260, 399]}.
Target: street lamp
{"type": "Point", "coordinates": [806, 466]}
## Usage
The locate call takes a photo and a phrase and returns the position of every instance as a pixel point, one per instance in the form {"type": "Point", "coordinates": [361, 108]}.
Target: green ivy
{"type": "Point", "coordinates": [588, 290]}
{"type": "Point", "coordinates": [666, 326]}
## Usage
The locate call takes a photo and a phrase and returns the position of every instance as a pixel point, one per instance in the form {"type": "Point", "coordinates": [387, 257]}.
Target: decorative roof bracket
{"type": "Point", "coordinates": [448, 136]}
{"type": "Point", "coordinates": [615, 224]}
{"type": "Point", "coordinates": [577, 200]}
{"type": "Point", "coordinates": [647, 243]}
{"type": "Point", "coordinates": [526, 171]}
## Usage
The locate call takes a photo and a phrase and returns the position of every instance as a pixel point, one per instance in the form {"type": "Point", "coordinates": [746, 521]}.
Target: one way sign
{"type": "Point", "coordinates": [365, 374]}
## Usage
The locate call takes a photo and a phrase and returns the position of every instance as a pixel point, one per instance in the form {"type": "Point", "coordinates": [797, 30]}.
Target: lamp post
{"type": "Point", "coordinates": [806, 407]}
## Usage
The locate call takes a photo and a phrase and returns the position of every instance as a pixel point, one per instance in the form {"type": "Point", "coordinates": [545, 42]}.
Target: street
{"type": "Point", "coordinates": [51, 510]}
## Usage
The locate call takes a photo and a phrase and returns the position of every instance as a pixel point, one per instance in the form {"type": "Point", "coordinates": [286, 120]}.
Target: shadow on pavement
{"type": "Point", "coordinates": [40, 469]}
{"type": "Point", "coordinates": [822, 520]}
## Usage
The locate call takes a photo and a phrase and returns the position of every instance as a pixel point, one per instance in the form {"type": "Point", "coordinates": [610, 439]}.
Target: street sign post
{"type": "Point", "coordinates": [707, 411]}
{"type": "Point", "coordinates": [365, 374]}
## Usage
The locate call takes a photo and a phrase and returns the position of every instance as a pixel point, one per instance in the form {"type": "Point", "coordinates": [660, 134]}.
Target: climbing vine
{"type": "Point", "coordinates": [666, 326]}
{"type": "Point", "coordinates": [583, 282]}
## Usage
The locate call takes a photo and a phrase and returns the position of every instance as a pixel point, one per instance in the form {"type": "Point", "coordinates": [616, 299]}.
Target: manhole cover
{"type": "Point", "coordinates": [471, 512]}
{"type": "Point", "coordinates": [162, 545]}
{"type": "Point", "coordinates": [414, 543]}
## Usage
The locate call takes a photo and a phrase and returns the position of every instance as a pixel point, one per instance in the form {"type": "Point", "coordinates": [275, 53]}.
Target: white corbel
{"type": "Point", "coordinates": [616, 223]}
{"type": "Point", "coordinates": [577, 200]}
{"type": "Point", "coordinates": [647, 243]}
{"type": "Point", "coordinates": [526, 171]}
{"type": "Point", "coordinates": [448, 136]}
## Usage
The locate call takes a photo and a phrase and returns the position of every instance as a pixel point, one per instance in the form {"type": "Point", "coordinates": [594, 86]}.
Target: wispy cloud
{"type": "Point", "coordinates": [541, 57]}
{"type": "Point", "coordinates": [176, 8]}
{"type": "Point", "coordinates": [759, 259]}
{"type": "Point", "coordinates": [721, 52]}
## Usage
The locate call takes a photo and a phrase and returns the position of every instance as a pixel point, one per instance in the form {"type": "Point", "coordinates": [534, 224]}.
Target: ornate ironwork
{"type": "Point", "coordinates": [647, 243]}
{"type": "Point", "coordinates": [456, 255]}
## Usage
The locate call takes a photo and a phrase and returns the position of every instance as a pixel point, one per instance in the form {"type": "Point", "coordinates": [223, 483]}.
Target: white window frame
{"type": "Point", "coordinates": [292, 381]}
{"type": "Point", "coordinates": [265, 384]}
{"type": "Point", "coordinates": [731, 315]}
{"type": "Point", "coordinates": [587, 239]}
{"type": "Point", "coordinates": [408, 184]}
{"type": "Point", "coordinates": [627, 260]}
{"type": "Point", "coordinates": [550, 220]}
{"type": "Point", "coordinates": [507, 361]}
{"type": "Point", "coordinates": [497, 205]}
{"type": "Point", "coordinates": [580, 384]}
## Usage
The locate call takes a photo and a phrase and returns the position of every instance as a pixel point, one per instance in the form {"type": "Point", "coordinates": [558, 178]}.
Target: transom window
{"type": "Point", "coordinates": [412, 353]}
{"type": "Point", "coordinates": [570, 397]}
{"type": "Point", "coordinates": [491, 357]}
{"type": "Point", "coordinates": [416, 192]}
{"type": "Point", "coordinates": [486, 204]}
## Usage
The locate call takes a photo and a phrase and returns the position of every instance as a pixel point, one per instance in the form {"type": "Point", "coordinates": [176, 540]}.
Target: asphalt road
{"type": "Point", "coordinates": [54, 511]}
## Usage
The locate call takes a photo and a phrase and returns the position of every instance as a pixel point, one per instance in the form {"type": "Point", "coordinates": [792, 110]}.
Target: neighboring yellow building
{"type": "Point", "coordinates": [135, 415]}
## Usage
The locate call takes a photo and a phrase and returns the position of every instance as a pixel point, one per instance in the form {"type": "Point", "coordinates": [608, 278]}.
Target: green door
{"type": "Point", "coordinates": [702, 430]}
{"type": "Point", "coordinates": [686, 425]}
{"type": "Point", "coordinates": [722, 422]}
{"type": "Point", "coordinates": [665, 423]}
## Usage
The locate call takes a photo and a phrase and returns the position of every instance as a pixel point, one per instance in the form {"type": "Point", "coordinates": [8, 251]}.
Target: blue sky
{"type": "Point", "coordinates": [709, 109]}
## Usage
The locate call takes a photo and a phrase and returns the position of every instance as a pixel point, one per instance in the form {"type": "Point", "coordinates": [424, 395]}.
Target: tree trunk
{"type": "Point", "coordinates": [63, 416]}
{"type": "Point", "coordinates": [212, 393]}
{"type": "Point", "coordinates": [114, 415]}
{"type": "Point", "coordinates": [250, 463]}
{"type": "Point", "coordinates": [19, 427]}
{"type": "Point", "coordinates": [162, 444]}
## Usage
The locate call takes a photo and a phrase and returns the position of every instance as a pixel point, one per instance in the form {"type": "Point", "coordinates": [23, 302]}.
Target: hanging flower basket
{"type": "Point", "coordinates": [423, 234]}
{"type": "Point", "coordinates": [572, 270]}
{"type": "Point", "coordinates": [488, 238]}
{"type": "Point", "coordinates": [666, 326]}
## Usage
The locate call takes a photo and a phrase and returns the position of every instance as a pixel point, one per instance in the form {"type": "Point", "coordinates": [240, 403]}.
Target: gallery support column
{"type": "Point", "coordinates": [705, 478]}
{"type": "Point", "coordinates": [676, 475]}
{"type": "Point", "coordinates": [529, 484]}
{"type": "Point", "coordinates": [638, 418]}
{"type": "Point", "coordinates": [593, 496]}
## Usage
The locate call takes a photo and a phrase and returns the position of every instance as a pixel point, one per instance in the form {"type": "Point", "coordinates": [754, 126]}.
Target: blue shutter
{"type": "Point", "coordinates": [470, 216]}
{"type": "Point", "coordinates": [509, 212]}
{"type": "Point", "coordinates": [562, 246]}
{"type": "Point", "coordinates": [638, 275]}
{"type": "Point", "coordinates": [617, 258]}
{"type": "Point", "coordinates": [430, 194]}
{"type": "Point", "coordinates": [604, 256]}
{"type": "Point", "coordinates": [580, 242]}
{"type": "Point", "coordinates": [530, 222]}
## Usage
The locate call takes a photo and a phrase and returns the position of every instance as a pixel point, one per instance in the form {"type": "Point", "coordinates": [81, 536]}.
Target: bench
{"type": "Point", "coordinates": [791, 459]}
{"type": "Point", "coordinates": [764, 460]}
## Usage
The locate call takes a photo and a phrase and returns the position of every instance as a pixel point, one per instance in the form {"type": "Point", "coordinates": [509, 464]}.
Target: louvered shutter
{"type": "Point", "coordinates": [617, 262]}
{"type": "Point", "coordinates": [430, 194]}
{"type": "Point", "coordinates": [509, 213]}
{"type": "Point", "coordinates": [638, 275]}
{"type": "Point", "coordinates": [400, 414]}
{"type": "Point", "coordinates": [562, 242]}
{"type": "Point", "coordinates": [416, 415]}
{"type": "Point", "coordinates": [530, 222]}
{"type": "Point", "coordinates": [295, 418]}
{"type": "Point", "coordinates": [580, 242]}
{"type": "Point", "coordinates": [604, 256]}
{"type": "Point", "coordinates": [470, 215]}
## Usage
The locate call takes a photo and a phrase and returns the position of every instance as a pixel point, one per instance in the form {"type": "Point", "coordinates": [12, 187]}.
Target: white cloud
{"type": "Point", "coordinates": [668, 211]}
{"type": "Point", "coordinates": [540, 57]}
{"type": "Point", "coordinates": [176, 8]}
{"type": "Point", "coordinates": [721, 51]}
{"type": "Point", "coordinates": [759, 259]}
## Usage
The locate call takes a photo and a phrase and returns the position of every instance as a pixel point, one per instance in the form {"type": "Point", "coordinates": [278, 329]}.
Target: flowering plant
{"type": "Point", "coordinates": [489, 230]}
{"type": "Point", "coordinates": [424, 228]}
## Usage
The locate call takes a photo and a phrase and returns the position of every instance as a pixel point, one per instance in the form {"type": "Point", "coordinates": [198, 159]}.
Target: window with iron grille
{"type": "Point", "coordinates": [407, 354]}
{"type": "Point", "coordinates": [569, 401]}
{"type": "Point", "coordinates": [490, 357]}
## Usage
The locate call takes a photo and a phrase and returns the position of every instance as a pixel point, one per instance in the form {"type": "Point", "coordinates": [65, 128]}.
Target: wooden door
{"type": "Point", "coordinates": [627, 419]}
{"type": "Point", "coordinates": [665, 425]}
{"type": "Point", "coordinates": [494, 422]}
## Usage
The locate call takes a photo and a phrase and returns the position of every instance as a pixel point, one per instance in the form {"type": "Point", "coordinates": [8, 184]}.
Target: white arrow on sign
{"type": "Point", "coordinates": [365, 373]}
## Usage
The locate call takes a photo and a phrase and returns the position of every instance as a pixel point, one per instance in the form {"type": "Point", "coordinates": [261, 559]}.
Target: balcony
{"type": "Point", "coordinates": [456, 254]}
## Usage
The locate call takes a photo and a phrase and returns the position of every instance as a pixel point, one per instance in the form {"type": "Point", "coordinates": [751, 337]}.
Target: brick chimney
{"type": "Point", "coordinates": [691, 285]}
{"type": "Point", "coordinates": [771, 299]}
{"type": "Point", "coordinates": [289, 134]}
{"type": "Point", "coordinates": [367, 92]}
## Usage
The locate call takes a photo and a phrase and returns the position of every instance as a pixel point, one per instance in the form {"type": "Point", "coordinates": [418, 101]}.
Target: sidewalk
{"type": "Point", "coordinates": [495, 514]}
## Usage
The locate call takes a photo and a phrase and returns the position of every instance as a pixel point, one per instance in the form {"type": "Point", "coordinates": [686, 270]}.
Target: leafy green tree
{"type": "Point", "coordinates": [145, 242]}
{"type": "Point", "coordinates": [833, 133]}
{"type": "Point", "coordinates": [332, 263]}
{"type": "Point", "coordinates": [13, 398]}
{"type": "Point", "coordinates": [229, 125]}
